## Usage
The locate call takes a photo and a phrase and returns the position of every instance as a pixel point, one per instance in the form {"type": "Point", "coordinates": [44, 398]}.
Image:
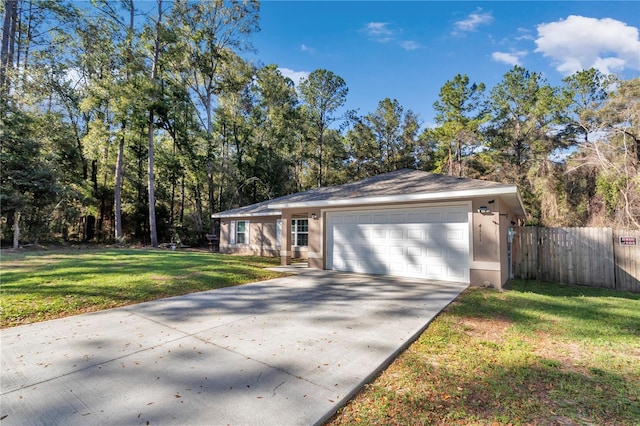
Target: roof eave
{"type": "Point", "coordinates": [224, 215]}
{"type": "Point", "coordinates": [522, 213]}
{"type": "Point", "coordinates": [403, 198]}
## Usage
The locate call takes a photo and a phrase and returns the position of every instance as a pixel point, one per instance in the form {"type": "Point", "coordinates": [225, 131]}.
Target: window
{"type": "Point", "coordinates": [299, 232]}
{"type": "Point", "coordinates": [239, 232]}
{"type": "Point", "coordinates": [242, 232]}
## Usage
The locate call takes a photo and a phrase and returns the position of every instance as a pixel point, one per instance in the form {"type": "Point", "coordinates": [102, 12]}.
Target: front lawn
{"type": "Point", "coordinates": [537, 353]}
{"type": "Point", "coordinates": [37, 286]}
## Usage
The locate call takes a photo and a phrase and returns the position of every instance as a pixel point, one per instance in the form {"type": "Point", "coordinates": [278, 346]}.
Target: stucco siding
{"type": "Point", "coordinates": [490, 241]}
{"type": "Point", "coordinates": [262, 236]}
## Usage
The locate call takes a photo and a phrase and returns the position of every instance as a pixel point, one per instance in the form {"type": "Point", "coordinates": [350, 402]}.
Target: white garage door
{"type": "Point", "coordinates": [430, 242]}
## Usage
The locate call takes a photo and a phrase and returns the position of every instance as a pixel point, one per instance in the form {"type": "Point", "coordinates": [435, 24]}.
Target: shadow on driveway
{"type": "Point", "coordinates": [285, 351]}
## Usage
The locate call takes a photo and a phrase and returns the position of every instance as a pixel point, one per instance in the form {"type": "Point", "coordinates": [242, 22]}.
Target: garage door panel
{"type": "Point", "coordinates": [379, 249]}
{"type": "Point", "coordinates": [414, 251]}
{"type": "Point", "coordinates": [434, 252]}
{"type": "Point", "coordinates": [350, 219]}
{"type": "Point", "coordinates": [381, 218]}
{"type": "Point", "coordinates": [396, 268]}
{"type": "Point", "coordinates": [396, 234]}
{"type": "Point", "coordinates": [379, 233]}
{"type": "Point", "coordinates": [431, 242]}
{"type": "Point", "coordinates": [434, 271]}
{"type": "Point", "coordinates": [415, 270]}
{"type": "Point", "coordinates": [396, 251]}
{"type": "Point", "coordinates": [341, 232]}
{"type": "Point", "coordinates": [457, 252]}
{"type": "Point", "coordinates": [348, 234]}
{"type": "Point", "coordinates": [457, 217]}
{"type": "Point", "coordinates": [346, 254]}
{"type": "Point", "coordinates": [397, 218]}
{"type": "Point", "coordinates": [364, 266]}
{"type": "Point", "coordinates": [365, 219]}
{"type": "Point", "coordinates": [456, 235]}
{"type": "Point", "coordinates": [454, 272]}
{"type": "Point", "coordinates": [414, 234]}
{"type": "Point", "coordinates": [354, 251]}
{"type": "Point", "coordinates": [417, 217]}
{"type": "Point", "coordinates": [435, 217]}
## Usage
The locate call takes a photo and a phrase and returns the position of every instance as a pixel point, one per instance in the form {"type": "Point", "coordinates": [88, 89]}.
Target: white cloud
{"type": "Point", "coordinates": [306, 48]}
{"type": "Point", "coordinates": [379, 30]}
{"type": "Point", "coordinates": [381, 33]}
{"type": "Point", "coordinates": [578, 43]}
{"type": "Point", "coordinates": [512, 58]}
{"type": "Point", "coordinates": [410, 45]}
{"type": "Point", "coordinates": [296, 76]}
{"type": "Point", "coordinates": [525, 34]}
{"type": "Point", "coordinates": [473, 21]}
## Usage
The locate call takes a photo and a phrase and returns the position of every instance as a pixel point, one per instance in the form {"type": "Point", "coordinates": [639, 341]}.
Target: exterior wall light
{"type": "Point", "coordinates": [484, 210]}
{"type": "Point", "coordinates": [314, 216]}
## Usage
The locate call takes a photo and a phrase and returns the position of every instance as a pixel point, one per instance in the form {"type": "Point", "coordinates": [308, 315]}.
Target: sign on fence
{"type": "Point", "coordinates": [628, 241]}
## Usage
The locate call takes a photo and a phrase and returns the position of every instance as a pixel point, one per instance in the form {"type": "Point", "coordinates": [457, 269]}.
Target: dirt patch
{"type": "Point", "coordinates": [489, 329]}
{"type": "Point", "coordinates": [570, 354]}
{"type": "Point", "coordinates": [158, 277]}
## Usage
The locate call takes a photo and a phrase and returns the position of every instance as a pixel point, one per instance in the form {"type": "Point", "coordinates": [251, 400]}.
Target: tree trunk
{"type": "Point", "coordinates": [173, 191]}
{"type": "Point", "coordinates": [151, 178]}
{"type": "Point", "coordinates": [210, 155]}
{"type": "Point", "coordinates": [27, 44]}
{"type": "Point", "coordinates": [459, 157]}
{"type": "Point", "coordinates": [224, 155]}
{"type": "Point", "coordinates": [198, 217]}
{"type": "Point", "coordinates": [16, 230]}
{"type": "Point", "coordinates": [320, 163]}
{"type": "Point", "coordinates": [120, 159]}
{"type": "Point", "coordinates": [173, 203]}
{"type": "Point", "coordinates": [151, 184]}
{"type": "Point", "coordinates": [182, 196]}
{"type": "Point", "coordinates": [8, 40]}
{"type": "Point", "coordinates": [118, 188]}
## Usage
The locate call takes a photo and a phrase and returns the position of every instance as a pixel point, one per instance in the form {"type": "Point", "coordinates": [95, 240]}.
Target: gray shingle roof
{"type": "Point", "coordinates": [404, 182]}
{"type": "Point", "coordinates": [258, 209]}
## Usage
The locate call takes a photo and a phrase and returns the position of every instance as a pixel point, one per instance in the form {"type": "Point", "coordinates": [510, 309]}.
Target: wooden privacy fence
{"type": "Point", "coordinates": [586, 256]}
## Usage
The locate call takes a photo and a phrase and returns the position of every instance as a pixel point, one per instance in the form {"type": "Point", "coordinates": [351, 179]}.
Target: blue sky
{"type": "Point", "coordinates": [408, 50]}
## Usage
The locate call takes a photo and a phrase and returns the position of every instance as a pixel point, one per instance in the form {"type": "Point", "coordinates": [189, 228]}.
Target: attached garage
{"type": "Point", "coordinates": [421, 242]}
{"type": "Point", "coordinates": [406, 223]}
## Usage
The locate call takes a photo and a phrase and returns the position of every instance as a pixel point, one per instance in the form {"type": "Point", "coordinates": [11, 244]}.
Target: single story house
{"type": "Point", "coordinates": [405, 223]}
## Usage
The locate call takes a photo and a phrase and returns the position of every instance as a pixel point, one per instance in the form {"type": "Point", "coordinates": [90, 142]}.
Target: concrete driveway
{"type": "Point", "coordinates": [288, 351]}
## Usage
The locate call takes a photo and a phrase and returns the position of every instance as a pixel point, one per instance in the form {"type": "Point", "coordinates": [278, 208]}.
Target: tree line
{"type": "Point", "coordinates": [128, 125]}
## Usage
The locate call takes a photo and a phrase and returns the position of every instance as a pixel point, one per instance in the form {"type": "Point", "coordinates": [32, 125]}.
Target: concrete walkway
{"type": "Point", "coordinates": [288, 351]}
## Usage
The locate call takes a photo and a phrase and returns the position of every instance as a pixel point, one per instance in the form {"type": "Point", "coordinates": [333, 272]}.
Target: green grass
{"type": "Point", "coordinates": [534, 354]}
{"type": "Point", "coordinates": [38, 286]}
